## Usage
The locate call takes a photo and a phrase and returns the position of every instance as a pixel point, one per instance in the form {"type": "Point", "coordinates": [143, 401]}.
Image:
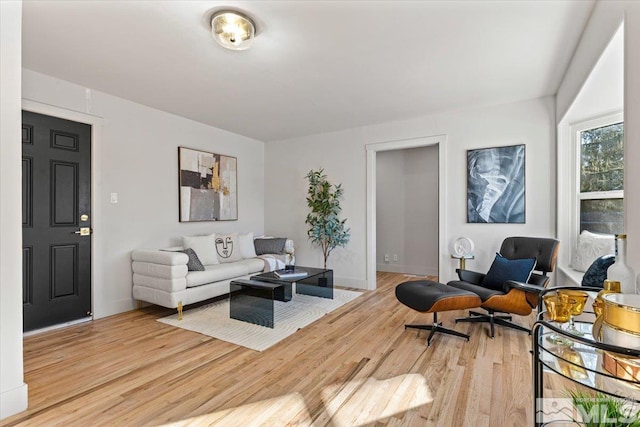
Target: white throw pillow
{"type": "Point", "coordinates": [589, 247]}
{"type": "Point", "coordinates": [228, 248]}
{"type": "Point", "coordinates": [247, 250]}
{"type": "Point", "coordinates": [203, 246]}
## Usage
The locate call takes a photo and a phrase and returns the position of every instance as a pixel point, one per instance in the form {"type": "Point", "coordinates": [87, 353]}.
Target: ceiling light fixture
{"type": "Point", "coordinates": [233, 30]}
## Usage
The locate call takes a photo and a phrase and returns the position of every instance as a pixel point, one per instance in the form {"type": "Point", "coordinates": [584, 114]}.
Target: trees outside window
{"type": "Point", "coordinates": [601, 176]}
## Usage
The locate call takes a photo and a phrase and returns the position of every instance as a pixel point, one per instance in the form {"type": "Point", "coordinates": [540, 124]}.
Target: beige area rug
{"type": "Point", "coordinates": [213, 319]}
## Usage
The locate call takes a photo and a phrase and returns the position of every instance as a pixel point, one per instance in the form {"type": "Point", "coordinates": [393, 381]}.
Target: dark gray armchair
{"type": "Point", "coordinates": [500, 290]}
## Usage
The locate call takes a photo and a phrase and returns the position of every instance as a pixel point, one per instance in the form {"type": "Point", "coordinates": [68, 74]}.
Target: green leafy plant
{"type": "Point", "coordinates": [326, 229]}
{"type": "Point", "coordinates": [602, 410]}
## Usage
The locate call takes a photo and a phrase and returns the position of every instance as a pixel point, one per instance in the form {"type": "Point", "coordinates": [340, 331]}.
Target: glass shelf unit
{"type": "Point", "coordinates": [582, 362]}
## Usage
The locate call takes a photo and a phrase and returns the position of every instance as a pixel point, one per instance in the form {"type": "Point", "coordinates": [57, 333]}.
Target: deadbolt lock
{"type": "Point", "coordinates": [84, 217]}
{"type": "Point", "coordinates": [84, 231]}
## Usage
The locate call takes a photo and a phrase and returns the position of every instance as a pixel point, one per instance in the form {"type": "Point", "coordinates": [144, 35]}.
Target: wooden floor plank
{"type": "Point", "coordinates": [355, 366]}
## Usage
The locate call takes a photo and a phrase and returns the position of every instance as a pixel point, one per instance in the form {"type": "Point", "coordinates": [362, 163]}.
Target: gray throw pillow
{"type": "Point", "coordinates": [270, 246]}
{"type": "Point", "coordinates": [194, 263]}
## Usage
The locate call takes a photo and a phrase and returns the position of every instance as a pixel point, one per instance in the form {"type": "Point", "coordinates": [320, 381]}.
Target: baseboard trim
{"type": "Point", "coordinates": [349, 283]}
{"type": "Point", "coordinates": [408, 269]}
{"type": "Point", "coordinates": [14, 401]}
{"type": "Point", "coordinates": [115, 307]}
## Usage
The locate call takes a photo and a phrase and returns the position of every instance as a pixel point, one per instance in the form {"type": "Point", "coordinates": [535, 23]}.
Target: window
{"type": "Point", "coordinates": [601, 176]}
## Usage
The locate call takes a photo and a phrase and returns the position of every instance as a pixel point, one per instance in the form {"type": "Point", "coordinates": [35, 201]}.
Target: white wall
{"type": "Point", "coordinates": [342, 154]}
{"type": "Point", "coordinates": [421, 210]}
{"type": "Point", "coordinates": [13, 390]}
{"type": "Point", "coordinates": [390, 207]}
{"type": "Point", "coordinates": [139, 160]}
{"type": "Point", "coordinates": [286, 165]}
{"type": "Point", "coordinates": [632, 131]}
{"type": "Point", "coordinates": [601, 95]}
{"type": "Point", "coordinates": [407, 210]}
{"type": "Point", "coordinates": [603, 91]}
{"type": "Point", "coordinates": [604, 21]}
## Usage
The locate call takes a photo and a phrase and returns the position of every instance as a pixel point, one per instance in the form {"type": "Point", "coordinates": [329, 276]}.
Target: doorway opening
{"type": "Point", "coordinates": [407, 211]}
{"type": "Point", "coordinates": [437, 145]}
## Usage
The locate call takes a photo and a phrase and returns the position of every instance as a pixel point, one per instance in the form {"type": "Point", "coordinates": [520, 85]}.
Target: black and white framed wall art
{"type": "Point", "coordinates": [496, 185]}
{"type": "Point", "coordinates": [208, 186]}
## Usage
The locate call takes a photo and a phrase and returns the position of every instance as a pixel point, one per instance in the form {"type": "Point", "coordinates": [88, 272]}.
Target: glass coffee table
{"type": "Point", "coordinates": [253, 300]}
{"type": "Point", "coordinates": [318, 282]}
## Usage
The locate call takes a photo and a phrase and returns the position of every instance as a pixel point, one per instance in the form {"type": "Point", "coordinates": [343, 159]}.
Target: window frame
{"type": "Point", "coordinates": [576, 129]}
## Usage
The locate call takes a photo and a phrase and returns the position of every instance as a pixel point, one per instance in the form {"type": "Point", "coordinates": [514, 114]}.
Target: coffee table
{"type": "Point", "coordinates": [318, 282]}
{"type": "Point", "coordinates": [253, 300]}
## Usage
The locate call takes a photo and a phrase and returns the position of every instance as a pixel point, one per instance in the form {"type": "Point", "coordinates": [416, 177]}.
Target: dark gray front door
{"type": "Point", "coordinates": [56, 204]}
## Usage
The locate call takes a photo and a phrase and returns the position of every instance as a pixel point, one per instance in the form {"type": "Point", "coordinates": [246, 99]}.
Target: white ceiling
{"type": "Point", "coordinates": [315, 66]}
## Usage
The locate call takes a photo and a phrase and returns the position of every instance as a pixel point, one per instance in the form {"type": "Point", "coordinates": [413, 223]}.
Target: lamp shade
{"type": "Point", "coordinates": [233, 30]}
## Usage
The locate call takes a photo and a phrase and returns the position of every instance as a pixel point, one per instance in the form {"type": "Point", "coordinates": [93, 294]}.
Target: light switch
{"type": "Point", "coordinates": [114, 197]}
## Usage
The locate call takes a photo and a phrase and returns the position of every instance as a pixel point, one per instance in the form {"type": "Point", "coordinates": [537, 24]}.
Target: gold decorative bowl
{"type": "Point", "coordinates": [620, 337]}
{"type": "Point", "coordinates": [622, 312]}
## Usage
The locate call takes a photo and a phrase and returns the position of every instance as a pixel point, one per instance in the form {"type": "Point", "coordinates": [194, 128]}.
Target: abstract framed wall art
{"type": "Point", "coordinates": [208, 186]}
{"type": "Point", "coordinates": [495, 185]}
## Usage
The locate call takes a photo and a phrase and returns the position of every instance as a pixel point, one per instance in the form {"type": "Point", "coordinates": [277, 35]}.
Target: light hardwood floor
{"type": "Point", "coordinates": [356, 366]}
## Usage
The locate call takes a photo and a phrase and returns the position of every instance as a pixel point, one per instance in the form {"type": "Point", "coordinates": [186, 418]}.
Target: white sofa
{"type": "Point", "coordinates": [161, 277]}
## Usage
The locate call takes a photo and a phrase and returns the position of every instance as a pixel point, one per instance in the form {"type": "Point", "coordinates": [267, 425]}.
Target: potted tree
{"type": "Point", "coordinates": [326, 229]}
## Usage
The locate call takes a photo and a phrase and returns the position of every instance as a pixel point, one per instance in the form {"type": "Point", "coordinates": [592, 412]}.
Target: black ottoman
{"type": "Point", "coordinates": [428, 296]}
